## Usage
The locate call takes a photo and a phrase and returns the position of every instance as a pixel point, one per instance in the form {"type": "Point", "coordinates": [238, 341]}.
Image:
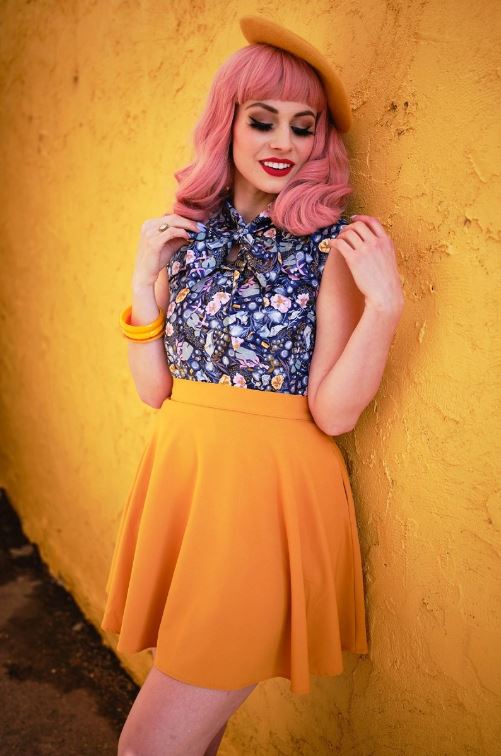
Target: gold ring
{"type": "Point", "coordinates": [163, 227]}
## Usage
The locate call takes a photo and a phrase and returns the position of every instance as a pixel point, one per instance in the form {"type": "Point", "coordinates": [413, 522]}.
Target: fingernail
{"type": "Point", "coordinates": [353, 216]}
{"type": "Point", "coordinates": [201, 226]}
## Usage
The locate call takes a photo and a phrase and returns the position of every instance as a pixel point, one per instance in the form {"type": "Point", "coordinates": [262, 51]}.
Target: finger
{"type": "Point", "coordinates": [172, 232]}
{"type": "Point", "coordinates": [342, 246]}
{"type": "Point", "coordinates": [361, 229]}
{"type": "Point", "coordinates": [180, 222]}
{"type": "Point", "coordinates": [351, 236]}
{"type": "Point", "coordinates": [175, 232]}
{"type": "Point", "coordinates": [372, 223]}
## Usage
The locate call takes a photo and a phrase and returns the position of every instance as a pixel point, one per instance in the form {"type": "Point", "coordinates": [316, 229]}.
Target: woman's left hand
{"type": "Point", "coordinates": [370, 255]}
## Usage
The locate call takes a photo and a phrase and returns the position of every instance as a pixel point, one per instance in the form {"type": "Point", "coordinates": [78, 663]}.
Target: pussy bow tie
{"type": "Point", "coordinates": [258, 251]}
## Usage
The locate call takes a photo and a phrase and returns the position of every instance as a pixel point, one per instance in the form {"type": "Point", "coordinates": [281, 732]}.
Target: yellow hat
{"type": "Point", "coordinates": [261, 30]}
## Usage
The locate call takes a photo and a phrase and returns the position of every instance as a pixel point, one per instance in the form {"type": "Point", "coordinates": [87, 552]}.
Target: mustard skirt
{"type": "Point", "coordinates": [237, 554]}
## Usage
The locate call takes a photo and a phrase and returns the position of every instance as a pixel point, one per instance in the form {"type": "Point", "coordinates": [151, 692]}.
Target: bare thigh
{"type": "Point", "coordinates": [173, 718]}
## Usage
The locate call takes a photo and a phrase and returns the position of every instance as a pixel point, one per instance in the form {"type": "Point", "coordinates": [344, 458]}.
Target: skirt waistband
{"type": "Point", "coordinates": [253, 401]}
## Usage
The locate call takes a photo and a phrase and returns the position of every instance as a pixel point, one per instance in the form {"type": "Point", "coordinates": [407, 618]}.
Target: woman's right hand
{"type": "Point", "coordinates": [156, 247]}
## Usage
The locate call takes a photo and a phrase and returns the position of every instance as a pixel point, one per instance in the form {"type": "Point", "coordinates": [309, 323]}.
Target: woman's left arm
{"type": "Point", "coordinates": [357, 318]}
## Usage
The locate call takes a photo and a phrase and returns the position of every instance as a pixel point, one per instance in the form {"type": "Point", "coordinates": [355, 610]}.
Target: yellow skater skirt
{"type": "Point", "coordinates": [237, 553]}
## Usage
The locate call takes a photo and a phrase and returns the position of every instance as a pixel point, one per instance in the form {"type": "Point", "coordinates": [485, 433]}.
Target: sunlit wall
{"type": "Point", "coordinates": [99, 100]}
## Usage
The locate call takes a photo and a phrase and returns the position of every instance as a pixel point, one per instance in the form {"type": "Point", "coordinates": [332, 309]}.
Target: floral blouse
{"type": "Point", "coordinates": [250, 322]}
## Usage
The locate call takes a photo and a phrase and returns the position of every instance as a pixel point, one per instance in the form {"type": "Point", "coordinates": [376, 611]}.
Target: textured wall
{"type": "Point", "coordinates": [98, 103]}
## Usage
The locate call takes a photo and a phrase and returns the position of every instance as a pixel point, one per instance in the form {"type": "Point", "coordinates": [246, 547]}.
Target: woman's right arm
{"type": "Point", "coordinates": [150, 291]}
{"type": "Point", "coordinates": [148, 362]}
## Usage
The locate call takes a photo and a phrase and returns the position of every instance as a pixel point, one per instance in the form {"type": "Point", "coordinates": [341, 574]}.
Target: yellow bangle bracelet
{"type": "Point", "coordinates": [144, 340]}
{"type": "Point", "coordinates": [137, 330]}
{"type": "Point", "coordinates": [145, 334]}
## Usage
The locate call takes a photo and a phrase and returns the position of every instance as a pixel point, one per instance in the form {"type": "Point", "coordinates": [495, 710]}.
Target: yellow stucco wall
{"type": "Point", "coordinates": [98, 103]}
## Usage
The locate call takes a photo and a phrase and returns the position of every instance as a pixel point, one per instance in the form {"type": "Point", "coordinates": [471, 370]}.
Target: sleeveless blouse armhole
{"type": "Point", "coordinates": [326, 232]}
{"type": "Point", "coordinates": [180, 262]}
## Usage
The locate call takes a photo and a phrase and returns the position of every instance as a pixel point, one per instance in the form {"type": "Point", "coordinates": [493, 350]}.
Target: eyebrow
{"type": "Point", "coordinates": [274, 110]}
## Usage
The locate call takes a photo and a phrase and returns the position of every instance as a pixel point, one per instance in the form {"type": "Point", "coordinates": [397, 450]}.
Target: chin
{"type": "Point", "coordinates": [271, 187]}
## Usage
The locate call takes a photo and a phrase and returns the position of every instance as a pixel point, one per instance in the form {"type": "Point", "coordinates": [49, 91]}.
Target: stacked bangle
{"type": "Point", "coordinates": [143, 333]}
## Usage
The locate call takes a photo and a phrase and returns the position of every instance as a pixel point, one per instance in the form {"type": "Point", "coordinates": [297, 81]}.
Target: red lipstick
{"type": "Point", "coordinates": [277, 161]}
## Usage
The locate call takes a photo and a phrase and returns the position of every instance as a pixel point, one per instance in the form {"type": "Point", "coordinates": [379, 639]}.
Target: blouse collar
{"type": "Point", "coordinates": [235, 220]}
{"type": "Point", "coordinates": [258, 240]}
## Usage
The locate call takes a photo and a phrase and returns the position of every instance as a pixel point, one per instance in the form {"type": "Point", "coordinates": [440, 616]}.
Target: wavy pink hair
{"type": "Point", "coordinates": [316, 195]}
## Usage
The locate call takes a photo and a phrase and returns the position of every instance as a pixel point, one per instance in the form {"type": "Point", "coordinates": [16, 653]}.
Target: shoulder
{"type": "Point", "coordinates": [325, 232]}
{"type": "Point", "coordinates": [310, 245]}
{"type": "Point", "coordinates": [331, 231]}
{"type": "Point", "coordinates": [313, 239]}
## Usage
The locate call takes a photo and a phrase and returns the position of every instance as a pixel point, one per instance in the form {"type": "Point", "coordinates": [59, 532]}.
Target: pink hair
{"type": "Point", "coordinates": [314, 197]}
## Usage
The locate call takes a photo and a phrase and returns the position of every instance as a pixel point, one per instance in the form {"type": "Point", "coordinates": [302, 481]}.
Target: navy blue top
{"type": "Point", "coordinates": [250, 322]}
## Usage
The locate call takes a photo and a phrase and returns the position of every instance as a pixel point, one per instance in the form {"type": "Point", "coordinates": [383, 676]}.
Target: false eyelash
{"type": "Point", "coordinates": [267, 126]}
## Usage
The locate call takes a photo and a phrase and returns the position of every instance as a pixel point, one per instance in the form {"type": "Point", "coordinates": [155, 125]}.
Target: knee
{"type": "Point", "coordinates": [128, 745]}
{"type": "Point", "coordinates": [126, 749]}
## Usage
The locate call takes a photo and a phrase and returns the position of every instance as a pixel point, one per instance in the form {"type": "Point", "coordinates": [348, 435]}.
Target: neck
{"type": "Point", "coordinates": [250, 203]}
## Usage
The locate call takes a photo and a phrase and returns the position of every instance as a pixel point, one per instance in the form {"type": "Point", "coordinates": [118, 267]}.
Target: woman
{"type": "Point", "coordinates": [259, 334]}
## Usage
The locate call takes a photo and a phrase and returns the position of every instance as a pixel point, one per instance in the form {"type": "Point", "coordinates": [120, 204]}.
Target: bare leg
{"type": "Point", "coordinates": [215, 742]}
{"type": "Point", "coordinates": [173, 718]}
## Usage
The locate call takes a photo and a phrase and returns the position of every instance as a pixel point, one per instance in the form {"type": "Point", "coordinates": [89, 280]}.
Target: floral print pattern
{"type": "Point", "coordinates": [247, 322]}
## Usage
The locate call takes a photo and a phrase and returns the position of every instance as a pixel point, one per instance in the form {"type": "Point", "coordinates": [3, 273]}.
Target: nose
{"type": "Point", "coordinates": [281, 138]}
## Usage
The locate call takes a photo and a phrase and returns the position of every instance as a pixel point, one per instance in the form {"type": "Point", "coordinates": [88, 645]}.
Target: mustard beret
{"type": "Point", "coordinates": [257, 29]}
